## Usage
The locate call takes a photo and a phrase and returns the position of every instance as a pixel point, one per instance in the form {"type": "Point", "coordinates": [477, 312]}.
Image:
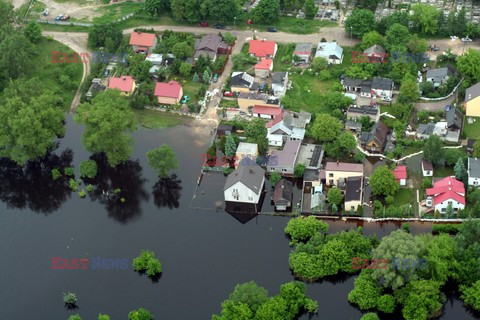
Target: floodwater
{"type": "Point", "coordinates": [204, 253]}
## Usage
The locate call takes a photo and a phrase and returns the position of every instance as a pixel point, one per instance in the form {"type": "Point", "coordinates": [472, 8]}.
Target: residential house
{"type": "Point", "coordinates": [472, 100]}
{"type": "Point", "coordinates": [377, 87]}
{"type": "Point", "coordinates": [262, 49]}
{"type": "Point", "coordinates": [250, 99]}
{"type": "Point", "coordinates": [266, 112]}
{"type": "Point", "coordinates": [168, 93]}
{"type": "Point", "coordinates": [310, 155]}
{"type": "Point", "coordinates": [440, 76]}
{"type": "Point", "coordinates": [447, 191]}
{"type": "Point", "coordinates": [285, 159]}
{"type": "Point", "coordinates": [330, 51]}
{"type": "Point", "coordinates": [282, 195]}
{"type": "Point", "coordinates": [142, 42]}
{"type": "Point", "coordinates": [279, 84]}
{"type": "Point", "coordinates": [125, 84]}
{"type": "Point", "coordinates": [439, 129]}
{"type": "Point", "coordinates": [242, 82]}
{"type": "Point", "coordinates": [374, 141]}
{"type": "Point", "coordinates": [244, 186]}
{"type": "Point", "coordinates": [473, 172]}
{"type": "Point", "coordinates": [353, 193]}
{"type": "Point", "coordinates": [400, 173]}
{"type": "Point", "coordinates": [287, 126]}
{"type": "Point", "coordinates": [454, 117]}
{"type": "Point", "coordinates": [209, 46]}
{"type": "Point", "coordinates": [336, 173]}
{"type": "Point", "coordinates": [246, 150]}
{"type": "Point", "coordinates": [376, 54]}
{"type": "Point", "coordinates": [224, 130]}
{"type": "Point", "coordinates": [263, 68]}
{"type": "Point", "coordinates": [470, 144]}
{"type": "Point", "coordinates": [356, 113]}
{"type": "Point", "coordinates": [95, 88]}
{"type": "Point", "coordinates": [304, 52]}
{"type": "Point", "coordinates": [427, 168]}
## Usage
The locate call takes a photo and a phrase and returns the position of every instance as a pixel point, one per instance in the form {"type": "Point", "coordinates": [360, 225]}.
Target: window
{"type": "Point", "coordinates": [284, 170]}
{"type": "Point", "coordinates": [352, 208]}
{"type": "Point", "coordinates": [330, 175]}
{"type": "Point", "coordinates": [250, 198]}
{"type": "Point", "coordinates": [444, 209]}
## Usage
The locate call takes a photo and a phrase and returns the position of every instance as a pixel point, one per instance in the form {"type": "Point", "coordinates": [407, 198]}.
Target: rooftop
{"type": "Point", "coordinates": [472, 92]}
{"type": "Point", "coordinates": [363, 110]}
{"type": "Point", "coordinates": [474, 167]}
{"type": "Point", "coordinates": [283, 190]}
{"type": "Point", "coordinates": [248, 173]}
{"type": "Point", "coordinates": [344, 166]}
{"type": "Point", "coordinates": [329, 50]}
{"type": "Point", "coordinates": [279, 77]}
{"type": "Point", "coordinates": [262, 48]}
{"type": "Point", "coordinates": [303, 48]}
{"type": "Point", "coordinates": [142, 39]}
{"type": "Point", "coordinates": [265, 64]}
{"type": "Point", "coordinates": [124, 83]}
{"type": "Point", "coordinates": [353, 189]}
{"type": "Point", "coordinates": [170, 89]}
{"type": "Point", "coordinates": [400, 172]}
{"type": "Point", "coordinates": [288, 155]}
{"type": "Point", "coordinates": [247, 148]}
{"type": "Point", "coordinates": [268, 110]}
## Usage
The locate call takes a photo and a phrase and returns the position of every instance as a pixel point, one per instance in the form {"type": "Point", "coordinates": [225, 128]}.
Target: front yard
{"type": "Point", "coordinates": [152, 119]}
{"type": "Point", "coordinates": [472, 130]}
{"type": "Point", "coordinates": [403, 196]}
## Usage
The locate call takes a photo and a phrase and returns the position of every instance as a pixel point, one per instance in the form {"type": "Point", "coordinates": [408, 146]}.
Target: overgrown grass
{"type": "Point", "coordinates": [443, 172]}
{"type": "Point", "coordinates": [191, 89]}
{"type": "Point", "coordinates": [224, 103]}
{"type": "Point", "coordinates": [48, 72]}
{"type": "Point", "coordinates": [298, 26]}
{"type": "Point", "coordinates": [403, 196]}
{"type": "Point", "coordinates": [114, 12]}
{"type": "Point", "coordinates": [472, 130]}
{"type": "Point", "coordinates": [61, 28]}
{"type": "Point", "coordinates": [283, 58]}
{"type": "Point", "coordinates": [306, 92]}
{"type": "Point", "coordinates": [152, 119]}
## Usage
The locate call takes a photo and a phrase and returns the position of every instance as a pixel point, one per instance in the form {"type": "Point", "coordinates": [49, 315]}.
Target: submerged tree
{"type": "Point", "coordinates": [163, 160]}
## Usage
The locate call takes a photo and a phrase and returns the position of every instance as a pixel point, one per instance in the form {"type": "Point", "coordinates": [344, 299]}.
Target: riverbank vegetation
{"type": "Point", "coordinates": [250, 301]}
{"type": "Point", "coordinates": [148, 263]}
{"type": "Point", "coordinates": [400, 273]}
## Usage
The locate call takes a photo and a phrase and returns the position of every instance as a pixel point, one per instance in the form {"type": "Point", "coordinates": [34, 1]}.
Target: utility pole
{"type": "Point", "coordinates": [234, 20]}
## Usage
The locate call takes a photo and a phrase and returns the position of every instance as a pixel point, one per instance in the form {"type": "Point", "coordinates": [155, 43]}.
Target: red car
{"type": "Point", "coordinates": [203, 24]}
{"type": "Point", "coordinates": [228, 94]}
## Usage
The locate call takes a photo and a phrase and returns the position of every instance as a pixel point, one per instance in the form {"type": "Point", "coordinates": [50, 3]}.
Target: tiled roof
{"type": "Point", "coordinates": [124, 83]}
{"type": "Point", "coordinates": [344, 166]}
{"type": "Point", "coordinates": [170, 89]}
{"type": "Point", "coordinates": [269, 110]}
{"type": "Point", "coordinates": [265, 64]}
{"type": "Point", "coordinates": [142, 39]}
{"type": "Point", "coordinates": [400, 172]}
{"type": "Point", "coordinates": [262, 48]}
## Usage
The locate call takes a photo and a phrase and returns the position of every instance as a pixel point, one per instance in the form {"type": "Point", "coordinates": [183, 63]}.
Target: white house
{"type": "Point", "coordinates": [279, 84]}
{"type": "Point", "coordinates": [289, 125]}
{"type": "Point", "coordinates": [427, 168]}
{"type": "Point", "coordinates": [376, 87]}
{"type": "Point", "coordinates": [303, 51]}
{"type": "Point", "coordinates": [245, 184]}
{"type": "Point", "coordinates": [473, 172]}
{"type": "Point", "coordinates": [330, 51]}
{"type": "Point", "coordinates": [445, 192]}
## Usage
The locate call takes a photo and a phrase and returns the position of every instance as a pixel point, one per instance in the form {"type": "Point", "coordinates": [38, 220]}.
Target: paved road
{"type": "Point", "coordinates": [434, 105]}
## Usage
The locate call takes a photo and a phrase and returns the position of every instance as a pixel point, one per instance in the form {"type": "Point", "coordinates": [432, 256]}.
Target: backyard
{"type": "Point", "coordinates": [152, 119]}
{"type": "Point", "coordinates": [283, 58]}
{"type": "Point", "coordinates": [403, 196]}
{"type": "Point", "coordinates": [472, 130]}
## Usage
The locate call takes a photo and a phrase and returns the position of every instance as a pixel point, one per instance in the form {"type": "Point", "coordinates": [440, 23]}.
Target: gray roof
{"type": "Point", "coordinates": [329, 50]}
{"type": "Point", "coordinates": [288, 155]}
{"type": "Point", "coordinates": [303, 48]}
{"type": "Point", "coordinates": [454, 118]}
{"type": "Point", "coordinates": [241, 79]}
{"type": "Point", "coordinates": [278, 77]}
{"type": "Point", "coordinates": [363, 110]}
{"type": "Point", "coordinates": [439, 74]}
{"type": "Point", "coordinates": [353, 189]}
{"type": "Point", "coordinates": [209, 42]}
{"type": "Point", "coordinates": [472, 92]}
{"type": "Point", "coordinates": [283, 191]}
{"type": "Point", "coordinates": [474, 167]}
{"type": "Point", "coordinates": [296, 120]}
{"type": "Point", "coordinates": [382, 83]}
{"type": "Point", "coordinates": [350, 82]}
{"type": "Point", "coordinates": [426, 129]}
{"type": "Point", "coordinates": [253, 96]}
{"type": "Point", "coordinates": [378, 49]}
{"type": "Point", "coordinates": [249, 173]}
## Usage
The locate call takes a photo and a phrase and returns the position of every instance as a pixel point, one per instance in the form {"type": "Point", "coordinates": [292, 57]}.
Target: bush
{"type": "Point", "coordinates": [146, 262]}
{"type": "Point", "coordinates": [427, 183]}
{"type": "Point", "coordinates": [406, 227]}
{"type": "Point", "coordinates": [449, 228]}
{"type": "Point", "coordinates": [68, 171]}
{"type": "Point", "coordinates": [73, 185]}
{"type": "Point", "coordinates": [275, 177]}
{"type": "Point", "coordinates": [82, 193]}
{"type": "Point", "coordinates": [88, 169]}
{"type": "Point", "coordinates": [69, 298]}
{"type": "Point", "coordinates": [56, 174]}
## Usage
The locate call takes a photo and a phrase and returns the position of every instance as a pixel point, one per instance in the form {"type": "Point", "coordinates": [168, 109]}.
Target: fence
{"type": "Point", "coordinates": [443, 98]}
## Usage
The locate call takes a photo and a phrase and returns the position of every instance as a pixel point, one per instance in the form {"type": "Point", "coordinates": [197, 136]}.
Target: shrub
{"type": "Point", "coordinates": [146, 262]}
{"type": "Point", "coordinates": [69, 298]}
{"type": "Point", "coordinates": [449, 228]}
{"type": "Point", "coordinates": [73, 184]}
{"type": "Point", "coordinates": [68, 171]}
{"type": "Point", "coordinates": [89, 188]}
{"type": "Point", "coordinates": [56, 174]}
{"type": "Point", "coordinates": [88, 169]}
{"type": "Point", "coordinates": [275, 177]}
{"type": "Point", "coordinates": [406, 227]}
{"type": "Point", "coordinates": [82, 193]}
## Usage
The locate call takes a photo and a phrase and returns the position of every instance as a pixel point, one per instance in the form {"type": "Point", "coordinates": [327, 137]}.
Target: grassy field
{"type": "Point", "coordinates": [59, 28]}
{"type": "Point", "coordinates": [191, 89]}
{"type": "Point", "coordinates": [403, 196]}
{"type": "Point", "coordinates": [152, 119]}
{"type": "Point", "coordinates": [306, 92]}
{"type": "Point", "coordinates": [48, 72]}
{"type": "Point", "coordinates": [472, 131]}
{"type": "Point", "coordinates": [443, 172]}
{"type": "Point", "coordinates": [114, 12]}
{"type": "Point", "coordinates": [283, 57]}
{"type": "Point", "coordinates": [224, 103]}
{"type": "Point", "coordinates": [298, 26]}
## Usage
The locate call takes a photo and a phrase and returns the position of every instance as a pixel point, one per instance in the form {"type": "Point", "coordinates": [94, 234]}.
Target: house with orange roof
{"type": "Point", "coordinates": [262, 49]}
{"type": "Point", "coordinates": [125, 84]}
{"type": "Point", "coordinates": [142, 42]}
{"type": "Point", "coordinates": [445, 192]}
{"type": "Point", "coordinates": [400, 173]}
{"type": "Point", "coordinates": [263, 68]}
{"type": "Point", "coordinates": [169, 92]}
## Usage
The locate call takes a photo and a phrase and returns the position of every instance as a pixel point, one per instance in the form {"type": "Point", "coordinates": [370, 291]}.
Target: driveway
{"type": "Point", "coordinates": [434, 105]}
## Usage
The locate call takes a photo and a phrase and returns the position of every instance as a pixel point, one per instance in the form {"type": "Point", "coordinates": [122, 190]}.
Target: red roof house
{"type": "Point", "coordinates": [143, 42]}
{"type": "Point", "coordinates": [266, 112]}
{"type": "Point", "coordinates": [444, 192]}
{"type": "Point", "coordinates": [168, 93]}
{"type": "Point", "coordinates": [400, 173]}
{"type": "Point", "coordinates": [263, 68]}
{"type": "Point", "coordinates": [125, 84]}
{"type": "Point", "coordinates": [276, 119]}
{"type": "Point", "coordinates": [263, 49]}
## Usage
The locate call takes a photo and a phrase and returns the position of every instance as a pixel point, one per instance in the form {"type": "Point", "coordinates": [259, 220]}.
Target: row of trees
{"type": "Point", "coordinates": [139, 314]}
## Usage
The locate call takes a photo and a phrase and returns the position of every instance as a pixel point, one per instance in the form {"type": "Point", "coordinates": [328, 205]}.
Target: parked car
{"type": "Point", "coordinates": [453, 38]}
{"type": "Point", "coordinates": [447, 108]}
{"type": "Point", "coordinates": [58, 18]}
{"type": "Point", "coordinates": [466, 39]}
{"type": "Point", "coordinates": [272, 29]}
{"type": "Point", "coordinates": [203, 24]}
{"type": "Point", "coordinates": [106, 73]}
{"type": "Point", "coordinates": [387, 99]}
{"type": "Point", "coordinates": [219, 26]}
{"type": "Point", "coordinates": [436, 48]}
{"type": "Point", "coordinates": [228, 94]}
{"type": "Point", "coordinates": [215, 78]}
{"type": "Point", "coordinates": [46, 12]}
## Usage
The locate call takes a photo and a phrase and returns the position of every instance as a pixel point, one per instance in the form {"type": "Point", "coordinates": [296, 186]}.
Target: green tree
{"type": "Point", "coordinates": [386, 303]}
{"type": "Point", "coordinates": [267, 11]}
{"type": "Point", "coordinates": [140, 314]}
{"type": "Point", "coordinates": [421, 299]}
{"type": "Point", "coordinates": [432, 151]}
{"type": "Point", "coordinates": [75, 317]}
{"type": "Point", "coordinates": [182, 50]}
{"type": "Point", "coordinates": [103, 317]}
{"type": "Point", "coordinates": [397, 34]}
{"type": "Point", "coordinates": [425, 18]}
{"type": "Point", "coordinates": [335, 196]}
{"type": "Point", "coordinates": [461, 22]}
{"type": "Point", "coordinates": [31, 118]}
{"type": "Point", "coordinates": [369, 316]}
{"type": "Point", "coordinates": [108, 121]}
{"type": "Point", "coordinates": [469, 65]}
{"type": "Point", "coordinates": [230, 146]}
{"type": "Point", "coordinates": [185, 69]}
{"type": "Point", "coordinates": [399, 245]}
{"type": "Point", "coordinates": [471, 295]}
{"type": "Point", "coordinates": [383, 182]}
{"type": "Point", "coordinates": [100, 32]}
{"type": "Point", "coordinates": [299, 170]}
{"type": "Point", "coordinates": [147, 262]}
{"type": "Point", "coordinates": [310, 9]}
{"type": "Point", "coordinates": [460, 170]}
{"type": "Point", "coordinates": [326, 128]}
{"type": "Point", "coordinates": [360, 22]}
{"type": "Point", "coordinates": [16, 53]}
{"type": "Point", "coordinates": [273, 308]}
{"type": "Point", "coordinates": [319, 64]}
{"type": "Point", "coordinates": [88, 169]}
{"type": "Point", "coordinates": [452, 155]}
{"type": "Point", "coordinates": [250, 294]}
{"type": "Point", "coordinates": [371, 38]}
{"type": "Point", "coordinates": [440, 256]}
{"type": "Point", "coordinates": [70, 298]}
{"type": "Point", "coordinates": [417, 45]}
{"type": "Point", "coordinates": [256, 132]}
{"type": "Point", "coordinates": [162, 159]}
{"type": "Point", "coordinates": [409, 88]}
{"type": "Point", "coordinates": [155, 7]}
{"type": "Point", "coordinates": [366, 291]}
{"type": "Point", "coordinates": [476, 149]}
{"type": "Point", "coordinates": [275, 177]}
{"type": "Point", "coordinates": [301, 229]}
{"type": "Point", "coordinates": [33, 32]}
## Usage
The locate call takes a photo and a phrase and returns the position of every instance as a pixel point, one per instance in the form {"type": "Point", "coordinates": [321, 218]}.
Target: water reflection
{"type": "Point", "coordinates": [120, 189]}
{"type": "Point", "coordinates": [32, 185]}
{"type": "Point", "coordinates": [166, 192]}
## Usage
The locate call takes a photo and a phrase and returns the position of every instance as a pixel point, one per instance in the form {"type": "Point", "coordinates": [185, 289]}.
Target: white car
{"type": "Point", "coordinates": [466, 39]}
{"type": "Point", "coordinates": [387, 99]}
{"type": "Point", "coordinates": [453, 38]}
{"type": "Point", "coordinates": [45, 12]}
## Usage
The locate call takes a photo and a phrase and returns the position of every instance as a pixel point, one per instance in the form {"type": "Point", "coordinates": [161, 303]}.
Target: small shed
{"type": "Point", "coordinates": [282, 196]}
{"type": "Point", "coordinates": [224, 130]}
{"type": "Point", "coordinates": [427, 168]}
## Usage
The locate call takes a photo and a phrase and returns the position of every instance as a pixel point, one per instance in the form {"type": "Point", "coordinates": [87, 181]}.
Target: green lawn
{"type": "Point", "coordinates": [443, 172]}
{"type": "Point", "coordinates": [403, 196]}
{"type": "Point", "coordinates": [152, 119]}
{"type": "Point", "coordinates": [306, 92]}
{"type": "Point", "coordinates": [48, 72]}
{"type": "Point", "coordinates": [191, 89]}
{"type": "Point", "coordinates": [114, 12]}
{"type": "Point", "coordinates": [283, 58]}
{"type": "Point", "coordinates": [294, 25]}
{"type": "Point", "coordinates": [61, 28]}
{"type": "Point", "coordinates": [224, 103]}
{"type": "Point", "coordinates": [472, 131]}
{"type": "Point", "coordinates": [347, 60]}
